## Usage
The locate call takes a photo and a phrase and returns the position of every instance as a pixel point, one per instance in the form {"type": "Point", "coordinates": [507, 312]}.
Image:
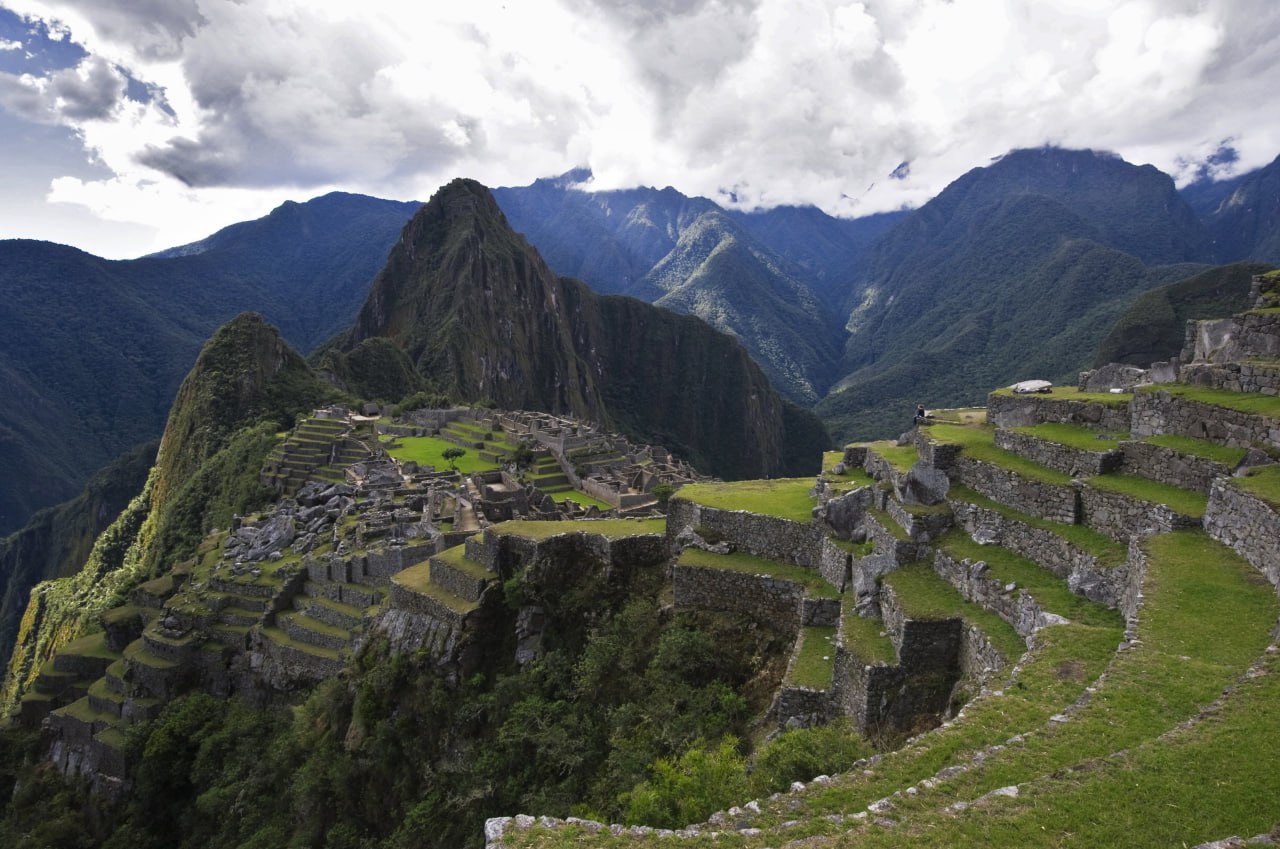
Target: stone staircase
{"type": "Point", "coordinates": [317, 449]}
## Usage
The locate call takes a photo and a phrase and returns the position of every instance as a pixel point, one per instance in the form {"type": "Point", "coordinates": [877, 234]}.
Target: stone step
{"type": "Point", "coordinates": [359, 596]}
{"type": "Point", "coordinates": [223, 601]}
{"type": "Point", "coordinates": [87, 657]}
{"type": "Point", "coordinates": [103, 700]}
{"type": "Point", "coordinates": [304, 659]}
{"type": "Point", "coordinates": [458, 575]}
{"type": "Point", "coordinates": [175, 649]}
{"type": "Point", "coordinates": [1181, 461]}
{"type": "Point", "coordinates": [307, 629]}
{"type": "Point", "coordinates": [1124, 506]}
{"type": "Point", "coordinates": [1071, 449]}
{"type": "Point", "coordinates": [333, 612]}
{"type": "Point", "coordinates": [231, 634]}
{"type": "Point", "coordinates": [114, 677]}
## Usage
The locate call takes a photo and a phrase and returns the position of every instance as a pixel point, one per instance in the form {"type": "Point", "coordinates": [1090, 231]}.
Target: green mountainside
{"type": "Point", "coordinates": [245, 384]}
{"type": "Point", "coordinates": [1153, 328]}
{"type": "Point", "coordinates": [481, 317]}
{"type": "Point", "coordinates": [1242, 214]}
{"type": "Point", "coordinates": [92, 351]}
{"type": "Point", "coordinates": [689, 255]}
{"type": "Point", "coordinates": [1014, 271]}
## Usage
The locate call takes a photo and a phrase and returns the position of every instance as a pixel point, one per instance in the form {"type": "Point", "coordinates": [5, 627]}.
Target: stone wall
{"type": "Point", "coordinates": [1070, 461]}
{"type": "Point", "coordinates": [1056, 502]}
{"type": "Point", "coordinates": [773, 601]}
{"type": "Point", "coordinates": [1242, 337]}
{"type": "Point", "coordinates": [1158, 412]}
{"type": "Point", "coordinates": [973, 581]}
{"type": "Point", "coordinates": [920, 525]}
{"type": "Point", "coordinates": [800, 707]}
{"type": "Point", "coordinates": [940, 455]}
{"type": "Point", "coordinates": [1123, 516]}
{"type": "Point", "coordinates": [1168, 466]}
{"type": "Point", "coordinates": [1080, 569]}
{"type": "Point", "coordinates": [1247, 524]}
{"type": "Point", "coordinates": [835, 564]}
{"type": "Point", "coordinates": [1234, 377]}
{"type": "Point", "coordinates": [1033, 409]}
{"type": "Point", "coordinates": [784, 540]}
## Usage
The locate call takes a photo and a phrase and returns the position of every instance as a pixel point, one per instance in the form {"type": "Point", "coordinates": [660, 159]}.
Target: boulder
{"type": "Point", "coordinates": [924, 485]}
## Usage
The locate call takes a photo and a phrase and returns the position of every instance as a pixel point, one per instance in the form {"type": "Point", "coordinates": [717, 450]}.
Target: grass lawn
{"type": "Point", "coordinates": [978, 443]}
{"type": "Point", "coordinates": [428, 451]}
{"type": "Point", "coordinates": [901, 457]}
{"type": "Point", "coordinates": [1264, 482]}
{"type": "Point", "coordinates": [1184, 501]}
{"type": "Point", "coordinates": [581, 498]}
{"type": "Point", "coordinates": [866, 639]}
{"type": "Point", "coordinates": [1072, 436]}
{"type": "Point", "coordinates": [815, 660]}
{"type": "Point", "coordinates": [785, 498]}
{"type": "Point", "coordinates": [1228, 455]}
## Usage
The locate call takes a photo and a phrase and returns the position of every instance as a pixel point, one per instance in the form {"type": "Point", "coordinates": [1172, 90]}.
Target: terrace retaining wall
{"type": "Point", "coordinates": [1247, 524]}
{"type": "Point", "coordinates": [1070, 461]}
{"type": "Point", "coordinates": [1168, 466]}
{"type": "Point", "coordinates": [1056, 502]}
{"type": "Point", "coordinates": [1006, 411]}
{"type": "Point", "coordinates": [1122, 516]}
{"type": "Point", "coordinates": [1157, 412]}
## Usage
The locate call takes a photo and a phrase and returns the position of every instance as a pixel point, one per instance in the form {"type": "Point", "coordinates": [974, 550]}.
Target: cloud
{"type": "Point", "coordinates": [757, 102]}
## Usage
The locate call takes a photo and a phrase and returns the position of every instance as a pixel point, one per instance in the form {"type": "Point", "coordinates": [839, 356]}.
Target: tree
{"type": "Point", "coordinates": [452, 455]}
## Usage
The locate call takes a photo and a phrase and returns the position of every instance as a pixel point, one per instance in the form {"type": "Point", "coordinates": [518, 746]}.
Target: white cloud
{"type": "Point", "coordinates": [5, 44]}
{"type": "Point", "coordinates": [774, 101]}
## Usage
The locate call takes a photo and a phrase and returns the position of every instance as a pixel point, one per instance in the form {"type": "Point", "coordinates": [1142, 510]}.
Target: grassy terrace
{"type": "Point", "coordinates": [611, 528]}
{"type": "Point", "coordinates": [815, 660]}
{"type": "Point", "coordinates": [1072, 436]}
{"type": "Point", "coordinates": [814, 584]}
{"type": "Point", "coordinates": [457, 558]}
{"type": "Point", "coordinates": [977, 443]}
{"type": "Point", "coordinates": [1253, 403]}
{"type": "Point", "coordinates": [900, 457]}
{"type": "Point", "coordinates": [853, 477]}
{"type": "Point", "coordinates": [961, 415]}
{"type": "Point", "coordinates": [1070, 393]}
{"type": "Point", "coordinates": [428, 451]}
{"type": "Point", "coordinates": [923, 594]}
{"type": "Point", "coordinates": [1183, 501]}
{"type": "Point", "coordinates": [866, 638]}
{"type": "Point", "coordinates": [1105, 550]}
{"type": "Point", "coordinates": [889, 523]}
{"type": "Point", "coordinates": [1228, 455]}
{"type": "Point", "coordinates": [1046, 588]}
{"type": "Point", "coordinates": [582, 498]}
{"type": "Point", "coordinates": [784, 498]}
{"type": "Point", "coordinates": [1263, 482]}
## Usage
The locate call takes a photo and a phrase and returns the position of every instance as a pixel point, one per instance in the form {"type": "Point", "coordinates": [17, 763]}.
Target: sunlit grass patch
{"type": "Point", "coordinates": [785, 498]}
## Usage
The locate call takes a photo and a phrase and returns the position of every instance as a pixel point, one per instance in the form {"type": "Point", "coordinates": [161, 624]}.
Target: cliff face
{"type": "Point", "coordinates": [481, 317]}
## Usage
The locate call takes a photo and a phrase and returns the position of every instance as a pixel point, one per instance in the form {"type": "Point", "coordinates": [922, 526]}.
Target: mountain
{"type": "Point", "coordinates": [958, 295]}
{"type": "Point", "coordinates": [92, 351]}
{"type": "Point", "coordinates": [479, 315]}
{"type": "Point", "coordinates": [691, 256]}
{"type": "Point", "coordinates": [1242, 214]}
{"type": "Point", "coordinates": [245, 385]}
{"type": "Point", "coordinates": [1153, 328]}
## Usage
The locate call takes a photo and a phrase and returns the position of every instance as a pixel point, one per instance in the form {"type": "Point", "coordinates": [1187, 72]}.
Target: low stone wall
{"type": "Point", "coordinates": [784, 540]}
{"type": "Point", "coordinates": [1071, 461]}
{"type": "Point", "coordinates": [920, 527]}
{"type": "Point", "coordinates": [973, 581]}
{"type": "Point", "coordinates": [1033, 409]}
{"type": "Point", "coordinates": [773, 601]}
{"type": "Point", "coordinates": [800, 707]}
{"type": "Point", "coordinates": [1058, 503]}
{"type": "Point", "coordinates": [979, 658]}
{"type": "Point", "coordinates": [1081, 570]}
{"type": "Point", "coordinates": [1168, 466]}
{"type": "Point", "coordinates": [1158, 412]}
{"type": "Point", "coordinates": [940, 455]}
{"type": "Point", "coordinates": [1234, 377]}
{"type": "Point", "coordinates": [1247, 524]}
{"type": "Point", "coordinates": [835, 564]}
{"type": "Point", "coordinates": [1122, 516]}
{"type": "Point", "coordinates": [820, 612]}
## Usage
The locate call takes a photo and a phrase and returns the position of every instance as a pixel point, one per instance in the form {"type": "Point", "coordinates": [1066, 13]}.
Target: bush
{"type": "Point", "coordinates": [689, 789]}
{"type": "Point", "coordinates": [804, 753]}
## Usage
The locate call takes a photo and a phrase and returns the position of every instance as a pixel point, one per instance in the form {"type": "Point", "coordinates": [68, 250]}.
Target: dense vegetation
{"type": "Point", "coordinates": [624, 716]}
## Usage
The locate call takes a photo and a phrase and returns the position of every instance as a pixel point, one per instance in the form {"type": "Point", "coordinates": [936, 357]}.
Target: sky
{"type": "Point", "coordinates": [129, 126]}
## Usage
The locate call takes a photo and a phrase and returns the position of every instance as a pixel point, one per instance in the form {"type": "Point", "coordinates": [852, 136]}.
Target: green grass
{"type": "Point", "coordinates": [1264, 482]}
{"type": "Point", "coordinates": [923, 594]}
{"type": "Point", "coordinates": [784, 498]}
{"type": "Point", "coordinates": [1228, 455]}
{"type": "Point", "coordinates": [1072, 436]}
{"type": "Point", "coordinates": [814, 584]}
{"type": "Point", "coordinates": [889, 523]}
{"type": "Point", "coordinates": [961, 415]}
{"type": "Point", "coordinates": [611, 528]}
{"type": "Point", "coordinates": [457, 558]}
{"type": "Point", "coordinates": [583, 499]}
{"type": "Point", "coordinates": [1253, 403]}
{"type": "Point", "coordinates": [1071, 393]}
{"type": "Point", "coordinates": [1050, 591]}
{"type": "Point", "coordinates": [1183, 501]}
{"type": "Point", "coordinates": [93, 645]}
{"type": "Point", "coordinates": [867, 639]}
{"type": "Point", "coordinates": [815, 660]}
{"type": "Point", "coordinates": [977, 443]}
{"type": "Point", "coordinates": [1108, 552]}
{"type": "Point", "coordinates": [900, 457]}
{"type": "Point", "coordinates": [428, 451]}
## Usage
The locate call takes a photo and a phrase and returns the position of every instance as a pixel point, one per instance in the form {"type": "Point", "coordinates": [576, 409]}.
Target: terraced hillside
{"type": "Point", "coordinates": [1060, 624]}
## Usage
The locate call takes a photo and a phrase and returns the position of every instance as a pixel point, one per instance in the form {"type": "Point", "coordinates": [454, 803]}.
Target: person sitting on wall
{"type": "Point", "coordinates": [921, 414]}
